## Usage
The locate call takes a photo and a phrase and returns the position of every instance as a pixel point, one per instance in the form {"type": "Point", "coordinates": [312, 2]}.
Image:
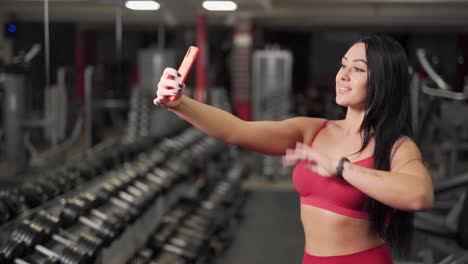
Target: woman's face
{"type": "Point", "coordinates": [351, 79]}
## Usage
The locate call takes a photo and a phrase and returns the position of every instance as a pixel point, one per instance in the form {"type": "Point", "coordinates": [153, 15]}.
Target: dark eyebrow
{"type": "Point", "coordinates": [361, 60]}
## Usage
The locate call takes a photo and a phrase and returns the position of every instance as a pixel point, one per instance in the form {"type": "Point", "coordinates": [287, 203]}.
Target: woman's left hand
{"type": "Point", "coordinates": [317, 162]}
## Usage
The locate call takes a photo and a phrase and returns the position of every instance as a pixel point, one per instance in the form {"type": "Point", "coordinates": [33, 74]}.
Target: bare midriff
{"type": "Point", "coordinates": [331, 234]}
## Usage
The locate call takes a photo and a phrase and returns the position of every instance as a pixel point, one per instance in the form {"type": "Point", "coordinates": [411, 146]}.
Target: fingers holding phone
{"type": "Point", "coordinates": [169, 88]}
{"type": "Point", "coordinates": [171, 85]}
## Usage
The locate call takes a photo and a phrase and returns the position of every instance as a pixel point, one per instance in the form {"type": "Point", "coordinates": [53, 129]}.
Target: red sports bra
{"type": "Point", "coordinates": [330, 193]}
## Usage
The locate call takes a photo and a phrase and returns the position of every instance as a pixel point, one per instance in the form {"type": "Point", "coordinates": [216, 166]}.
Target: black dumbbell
{"type": "Point", "coordinates": [87, 243]}
{"type": "Point", "coordinates": [182, 253]}
{"type": "Point", "coordinates": [10, 205]}
{"type": "Point", "coordinates": [50, 190]}
{"type": "Point", "coordinates": [96, 201]}
{"type": "Point", "coordinates": [50, 224]}
{"type": "Point", "coordinates": [142, 196]}
{"type": "Point", "coordinates": [170, 257]}
{"type": "Point", "coordinates": [22, 239]}
{"type": "Point", "coordinates": [198, 223]}
{"type": "Point", "coordinates": [5, 213]}
{"type": "Point", "coordinates": [106, 191]}
{"type": "Point", "coordinates": [162, 234]}
{"type": "Point", "coordinates": [33, 195]}
{"type": "Point", "coordinates": [75, 208]}
{"type": "Point", "coordinates": [103, 230]}
{"type": "Point", "coordinates": [142, 256]}
{"type": "Point", "coordinates": [37, 260]}
{"type": "Point", "coordinates": [92, 199]}
{"type": "Point", "coordinates": [29, 233]}
{"type": "Point", "coordinates": [125, 208]}
{"type": "Point", "coordinates": [11, 250]}
{"type": "Point", "coordinates": [166, 178]}
{"type": "Point", "coordinates": [162, 185]}
{"type": "Point", "coordinates": [68, 255]}
{"type": "Point", "coordinates": [189, 246]}
{"type": "Point", "coordinates": [199, 234]}
{"type": "Point", "coordinates": [26, 235]}
{"type": "Point", "coordinates": [72, 210]}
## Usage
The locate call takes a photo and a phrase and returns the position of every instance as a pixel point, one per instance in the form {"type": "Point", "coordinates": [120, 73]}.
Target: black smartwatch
{"type": "Point", "coordinates": [339, 169]}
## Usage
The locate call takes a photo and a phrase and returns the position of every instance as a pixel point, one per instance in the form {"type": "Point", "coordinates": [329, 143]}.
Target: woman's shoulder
{"type": "Point", "coordinates": [405, 148]}
{"type": "Point", "coordinates": [311, 126]}
{"type": "Point", "coordinates": [405, 142]}
{"type": "Point", "coordinates": [308, 122]}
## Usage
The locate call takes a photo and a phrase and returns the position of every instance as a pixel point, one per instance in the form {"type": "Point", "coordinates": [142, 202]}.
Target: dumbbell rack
{"type": "Point", "coordinates": [181, 156]}
{"type": "Point", "coordinates": [198, 228]}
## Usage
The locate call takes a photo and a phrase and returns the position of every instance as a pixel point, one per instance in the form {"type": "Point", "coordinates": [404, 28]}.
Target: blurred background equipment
{"type": "Point", "coordinates": [92, 172]}
{"type": "Point", "coordinates": [272, 97]}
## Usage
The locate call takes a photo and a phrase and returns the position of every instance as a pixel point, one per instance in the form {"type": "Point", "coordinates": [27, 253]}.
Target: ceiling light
{"type": "Point", "coordinates": [219, 5]}
{"type": "Point", "coordinates": [142, 5]}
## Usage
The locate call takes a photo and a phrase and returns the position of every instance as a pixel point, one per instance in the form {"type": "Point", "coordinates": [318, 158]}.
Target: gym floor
{"type": "Point", "coordinates": [262, 238]}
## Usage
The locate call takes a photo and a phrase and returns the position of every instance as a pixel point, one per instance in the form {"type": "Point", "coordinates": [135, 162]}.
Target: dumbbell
{"type": "Point", "coordinates": [198, 222]}
{"type": "Point", "coordinates": [68, 255]}
{"type": "Point", "coordinates": [191, 232]}
{"type": "Point", "coordinates": [162, 234]}
{"type": "Point", "coordinates": [157, 157]}
{"type": "Point", "coordinates": [189, 247]}
{"type": "Point", "coordinates": [142, 256]}
{"type": "Point", "coordinates": [113, 218]}
{"type": "Point", "coordinates": [183, 253]}
{"type": "Point", "coordinates": [87, 243]}
{"type": "Point", "coordinates": [181, 164]}
{"type": "Point", "coordinates": [37, 260]}
{"type": "Point", "coordinates": [33, 195]}
{"type": "Point", "coordinates": [167, 177]}
{"type": "Point", "coordinates": [72, 209]}
{"type": "Point", "coordinates": [73, 212]}
{"type": "Point", "coordinates": [169, 223]}
{"type": "Point", "coordinates": [169, 257]}
{"type": "Point", "coordinates": [134, 200]}
{"type": "Point", "coordinates": [23, 238]}
{"type": "Point", "coordinates": [50, 224]}
{"type": "Point", "coordinates": [29, 233]}
{"type": "Point", "coordinates": [96, 201]}
{"type": "Point", "coordinates": [9, 206]}
{"type": "Point", "coordinates": [107, 229]}
{"type": "Point", "coordinates": [163, 182]}
{"type": "Point", "coordinates": [107, 232]}
{"type": "Point", "coordinates": [11, 249]}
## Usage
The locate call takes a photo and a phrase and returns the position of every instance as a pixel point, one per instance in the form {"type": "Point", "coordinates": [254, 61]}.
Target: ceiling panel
{"type": "Point", "coordinates": [264, 12]}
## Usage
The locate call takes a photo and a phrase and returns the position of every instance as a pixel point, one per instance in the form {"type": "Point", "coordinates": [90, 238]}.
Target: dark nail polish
{"type": "Point", "coordinates": [178, 75]}
{"type": "Point", "coordinates": [180, 85]}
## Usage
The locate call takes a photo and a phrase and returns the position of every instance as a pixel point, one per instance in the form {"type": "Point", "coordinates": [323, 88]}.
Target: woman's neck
{"type": "Point", "coordinates": [352, 122]}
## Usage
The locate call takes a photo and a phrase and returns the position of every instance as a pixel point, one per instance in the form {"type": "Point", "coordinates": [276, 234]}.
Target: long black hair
{"type": "Point", "coordinates": [387, 119]}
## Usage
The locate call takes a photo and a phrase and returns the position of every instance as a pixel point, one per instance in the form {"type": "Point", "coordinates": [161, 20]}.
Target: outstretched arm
{"type": "Point", "coordinates": [268, 137]}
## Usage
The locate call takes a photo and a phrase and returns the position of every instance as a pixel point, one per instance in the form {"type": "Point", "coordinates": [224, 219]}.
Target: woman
{"type": "Point", "coordinates": [359, 178]}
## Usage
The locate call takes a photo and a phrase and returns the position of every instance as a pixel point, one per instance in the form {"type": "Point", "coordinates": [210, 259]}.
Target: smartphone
{"type": "Point", "coordinates": [185, 66]}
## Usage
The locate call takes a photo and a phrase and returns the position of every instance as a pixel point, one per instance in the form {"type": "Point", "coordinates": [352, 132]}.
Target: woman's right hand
{"type": "Point", "coordinates": [168, 88]}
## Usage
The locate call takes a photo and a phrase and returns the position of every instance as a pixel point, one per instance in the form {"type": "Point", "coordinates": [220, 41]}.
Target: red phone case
{"type": "Point", "coordinates": [185, 66]}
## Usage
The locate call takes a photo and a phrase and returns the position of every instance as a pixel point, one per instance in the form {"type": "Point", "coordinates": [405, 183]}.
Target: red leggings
{"type": "Point", "coordinates": [375, 255]}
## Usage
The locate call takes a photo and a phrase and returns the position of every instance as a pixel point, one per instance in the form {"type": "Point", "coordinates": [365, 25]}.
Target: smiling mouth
{"type": "Point", "coordinates": [343, 89]}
